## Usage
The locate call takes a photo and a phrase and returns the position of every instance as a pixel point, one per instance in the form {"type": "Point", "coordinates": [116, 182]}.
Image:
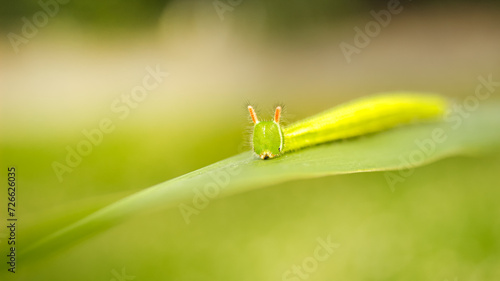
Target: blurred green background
{"type": "Point", "coordinates": [442, 223]}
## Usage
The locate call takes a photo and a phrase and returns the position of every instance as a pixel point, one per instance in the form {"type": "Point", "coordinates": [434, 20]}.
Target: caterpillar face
{"type": "Point", "coordinates": [267, 139]}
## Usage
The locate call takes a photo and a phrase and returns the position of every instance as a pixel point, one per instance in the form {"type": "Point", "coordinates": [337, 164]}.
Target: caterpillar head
{"type": "Point", "coordinates": [267, 139]}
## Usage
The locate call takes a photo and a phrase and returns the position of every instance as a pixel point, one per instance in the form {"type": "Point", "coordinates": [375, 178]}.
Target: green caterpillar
{"type": "Point", "coordinates": [355, 118]}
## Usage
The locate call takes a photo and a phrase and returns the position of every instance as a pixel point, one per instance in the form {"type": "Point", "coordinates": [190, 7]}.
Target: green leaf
{"type": "Point", "coordinates": [395, 149]}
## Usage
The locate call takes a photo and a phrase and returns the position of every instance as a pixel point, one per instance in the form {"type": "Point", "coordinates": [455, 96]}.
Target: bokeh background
{"type": "Point", "coordinates": [71, 67]}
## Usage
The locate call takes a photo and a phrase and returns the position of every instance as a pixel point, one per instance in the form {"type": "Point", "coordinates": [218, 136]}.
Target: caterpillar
{"type": "Point", "coordinates": [359, 117]}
